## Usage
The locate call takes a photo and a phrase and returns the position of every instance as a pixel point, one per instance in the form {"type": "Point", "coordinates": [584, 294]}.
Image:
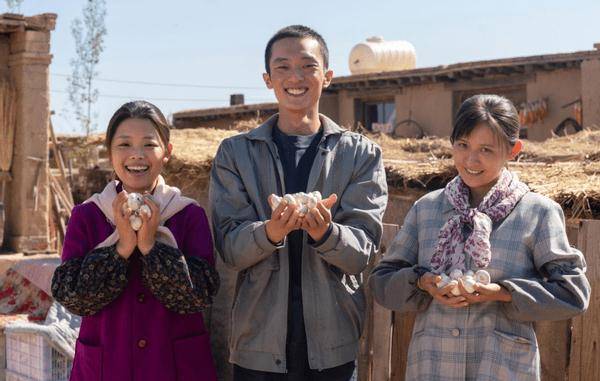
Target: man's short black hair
{"type": "Point", "coordinates": [296, 31]}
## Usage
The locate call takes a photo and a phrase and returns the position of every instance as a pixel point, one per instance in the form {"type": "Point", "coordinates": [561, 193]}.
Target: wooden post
{"type": "Point", "coordinates": [60, 164]}
{"type": "Point", "coordinates": [585, 355]}
{"type": "Point", "coordinates": [375, 342]}
{"type": "Point", "coordinates": [403, 327]}
{"type": "Point", "coordinates": [382, 323]}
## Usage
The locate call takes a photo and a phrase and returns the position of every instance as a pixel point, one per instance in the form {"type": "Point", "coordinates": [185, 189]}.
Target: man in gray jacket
{"type": "Point", "coordinates": [296, 314]}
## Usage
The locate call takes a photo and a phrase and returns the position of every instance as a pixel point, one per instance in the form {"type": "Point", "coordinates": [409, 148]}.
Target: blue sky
{"type": "Point", "coordinates": [221, 43]}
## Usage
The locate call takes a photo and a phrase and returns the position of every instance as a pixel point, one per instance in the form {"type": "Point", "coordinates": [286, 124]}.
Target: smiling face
{"type": "Point", "coordinates": [479, 158]}
{"type": "Point", "coordinates": [298, 75]}
{"type": "Point", "coordinates": [138, 155]}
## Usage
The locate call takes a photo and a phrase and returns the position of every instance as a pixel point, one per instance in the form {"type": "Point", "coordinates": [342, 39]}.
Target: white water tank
{"type": "Point", "coordinates": [376, 55]}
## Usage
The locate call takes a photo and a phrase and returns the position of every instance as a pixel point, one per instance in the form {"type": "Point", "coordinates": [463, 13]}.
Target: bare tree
{"type": "Point", "coordinates": [14, 6]}
{"type": "Point", "coordinates": [89, 44]}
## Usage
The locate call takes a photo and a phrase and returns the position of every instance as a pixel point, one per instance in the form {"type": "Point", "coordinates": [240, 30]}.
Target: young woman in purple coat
{"type": "Point", "coordinates": [141, 292]}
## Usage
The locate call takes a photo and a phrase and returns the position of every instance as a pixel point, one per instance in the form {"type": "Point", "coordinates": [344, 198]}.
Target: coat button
{"type": "Point", "coordinates": [278, 362]}
{"type": "Point", "coordinates": [141, 297]}
{"type": "Point", "coordinates": [142, 343]}
{"type": "Point", "coordinates": [455, 332]}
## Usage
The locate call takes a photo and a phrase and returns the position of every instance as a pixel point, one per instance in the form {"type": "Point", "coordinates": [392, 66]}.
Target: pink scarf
{"type": "Point", "coordinates": [450, 252]}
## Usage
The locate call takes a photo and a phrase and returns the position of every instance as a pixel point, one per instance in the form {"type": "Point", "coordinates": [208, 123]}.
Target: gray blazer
{"type": "Point", "coordinates": [246, 170]}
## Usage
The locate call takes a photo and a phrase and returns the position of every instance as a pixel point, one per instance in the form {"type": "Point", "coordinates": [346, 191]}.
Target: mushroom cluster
{"type": "Point", "coordinates": [305, 201]}
{"type": "Point", "coordinates": [469, 278]}
{"type": "Point", "coordinates": [135, 204]}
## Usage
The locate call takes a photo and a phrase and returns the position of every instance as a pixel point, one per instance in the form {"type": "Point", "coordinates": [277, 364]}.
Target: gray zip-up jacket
{"type": "Point", "coordinates": [246, 170]}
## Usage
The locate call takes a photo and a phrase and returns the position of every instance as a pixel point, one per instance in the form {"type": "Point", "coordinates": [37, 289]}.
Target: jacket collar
{"type": "Point", "coordinates": [265, 131]}
{"type": "Point", "coordinates": [446, 206]}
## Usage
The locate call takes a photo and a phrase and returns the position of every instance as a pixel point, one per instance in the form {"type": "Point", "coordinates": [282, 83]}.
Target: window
{"type": "Point", "coordinates": [379, 116]}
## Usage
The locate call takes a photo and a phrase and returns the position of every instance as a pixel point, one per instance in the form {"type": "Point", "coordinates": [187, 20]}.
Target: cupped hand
{"type": "Point", "coordinates": [284, 219]}
{"type": "Point", "coordinates": [428, 282]}
{"type": "Point", "coordinates": [317, 220]}
{"type": "Point", "coordinates": [127, 236]}
{"type": "Point", "coordinates": [492, 292]}
{"type": "Point", "coordinates": [146, 236]}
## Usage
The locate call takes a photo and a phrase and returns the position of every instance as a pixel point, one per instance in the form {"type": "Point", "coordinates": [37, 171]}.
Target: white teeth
{"type": "Point", "coordinates": [473, 172]}
{"type": "Point", "coordinates": [296, 91]}
{"type": "Point", "coordinates": [137, 168]}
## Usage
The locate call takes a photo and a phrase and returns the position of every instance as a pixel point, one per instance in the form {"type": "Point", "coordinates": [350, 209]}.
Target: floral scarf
{"type": "Point", "coordinates": [450, 252]}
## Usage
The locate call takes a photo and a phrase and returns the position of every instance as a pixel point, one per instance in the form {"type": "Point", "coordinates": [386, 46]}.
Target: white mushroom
{"type": "Point", "coordinates": [135, 204]}
{"type": "Point", "coordinates": [304, 201]}
{"type": "Point", "coordinates": [483, 277]}
{"type": "Point", "coordinates": [135, 221]}
{"type": "Point", "coordinates": [317, 195]}
{"type": "Point", "coordinates": [444, 281]}
{"type": "Point", "coordinates": [290, 199]}
{"type": "Point", "coordinates": [469, 284]}
{"type": "Point", "coordinates": [135, 201]}
{"type": "Point", "coordinates": [456, 274]}
{"type": "Point", "coordinates": [455, 290]}
{"type": "Point", "coordinates": [274, 201]}
{"type": "Point", "coordinates": [145, 209]}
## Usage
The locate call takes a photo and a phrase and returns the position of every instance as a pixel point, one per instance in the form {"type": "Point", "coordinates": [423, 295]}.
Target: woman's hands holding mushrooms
{"type": "Point", "coordinates": [428, 282]}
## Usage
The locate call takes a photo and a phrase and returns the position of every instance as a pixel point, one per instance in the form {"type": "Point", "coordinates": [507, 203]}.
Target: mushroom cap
{"type": "Point", "coordinates": [135, 222]}
{"type": "Point", "coordinates": [316, 195]}
{"type": "Point", "coordinates": [290, 199]}
{"type": "Point", "coordinates": [483, 277]}
{"type": "Point", "coordinates": [135, 201]}
{"type": "Point", "coordinates": [456, 274]}
{"type": "Point", "coordinates": [146, 210]}
{"type": "Point", "coordinates": [274, 201]}
{"type": "Point", "coordinates": [444, 281]}
{"type": "Point", "coordinates": [469, 284]}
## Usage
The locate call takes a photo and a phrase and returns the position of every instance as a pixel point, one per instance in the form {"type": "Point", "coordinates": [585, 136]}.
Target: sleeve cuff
{"type": "Point", "coordinates": [261, 239]}
{"type": "Point", "coordinates": [330, 240]}
{"type": "Point", "coordinates": [314, 243]}
{"type": "Point", "coordinates": [512, 307]}
{"type": "Point", "coordinates": [115, 255]}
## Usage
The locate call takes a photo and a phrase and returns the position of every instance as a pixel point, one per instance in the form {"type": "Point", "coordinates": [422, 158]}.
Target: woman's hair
{"type": "Point", "coordinates": [138, 110]}
{"type": "Point", "coordinates": [494, 111]}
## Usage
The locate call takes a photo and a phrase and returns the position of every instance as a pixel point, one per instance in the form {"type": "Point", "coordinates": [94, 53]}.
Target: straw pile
{"type": "Point", "coordinates": [579, 147]}
{"type": "Point", "coordinates": [583, 146]}
{"type": "Point", "coordinates": [566, 169]}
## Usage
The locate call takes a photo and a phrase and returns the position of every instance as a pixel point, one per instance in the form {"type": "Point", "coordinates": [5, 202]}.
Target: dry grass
{"type": "Point", "coordinates": [198, 145]}
{"type": "Point", "coordinates": [579, 147]}
{"type": "Point", "coordinates": [574, 185]}
{"type": "Point", "coordinates": [582, 146]}
{"type": "Point", "coordinates": [566, 169]}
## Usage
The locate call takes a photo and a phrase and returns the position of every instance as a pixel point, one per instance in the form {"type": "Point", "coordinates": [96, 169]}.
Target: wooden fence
{"type": "Point", "coordinates": [569, 349]}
